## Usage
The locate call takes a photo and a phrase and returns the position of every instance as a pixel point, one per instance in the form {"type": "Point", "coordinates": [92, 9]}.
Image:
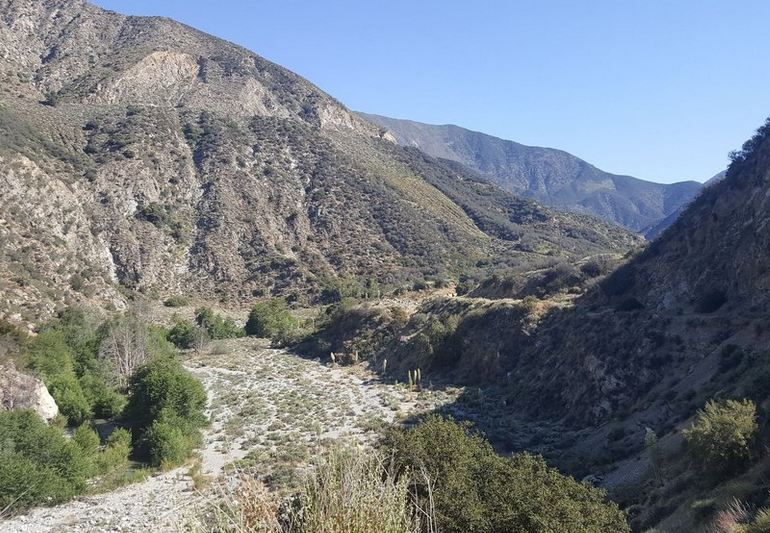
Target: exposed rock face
{"type": "Point", "coordinates": [141, 152]}
{"type": "Point", "coordinates": [553, 177]}
{"type": "Point", "coordinates": [22, 391]}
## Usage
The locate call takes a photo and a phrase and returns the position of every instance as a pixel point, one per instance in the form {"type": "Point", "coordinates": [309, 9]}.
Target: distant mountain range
{"type": "Point", "coordinates": [553, 177]}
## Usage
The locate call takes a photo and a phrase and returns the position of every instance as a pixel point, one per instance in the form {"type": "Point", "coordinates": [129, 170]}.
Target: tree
{"type": "Point", "coordinates": [125, 347]}
{"type": "Point", "coordinates": [722, 435]}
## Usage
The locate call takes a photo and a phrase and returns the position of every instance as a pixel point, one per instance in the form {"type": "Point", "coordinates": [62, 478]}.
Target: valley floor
{"type": "Point", "coordinates": [271, 411]}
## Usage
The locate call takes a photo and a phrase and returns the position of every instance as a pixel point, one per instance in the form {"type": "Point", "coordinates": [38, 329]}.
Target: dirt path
{"type": "Point", "coordinates": [270, 409]}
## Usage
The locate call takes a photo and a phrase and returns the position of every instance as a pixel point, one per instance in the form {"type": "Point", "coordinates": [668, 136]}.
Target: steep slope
{"type": "Point", "coordinates": [553, 177]}
{"type": "Point", "coordinates": [585, 372]}
{"type": "Point", "coordinates": [140, 153]}
{"type": "Point", "coordinates": [656, 327]}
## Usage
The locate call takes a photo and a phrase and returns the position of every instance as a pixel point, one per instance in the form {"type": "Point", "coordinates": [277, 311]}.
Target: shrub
{"type": "Point", "coordinates": [176, 301]}
{"type": "Point", "coordinates": [216, 326]}
{"type": "Point", "coordinates": [722, 434]}
{"type": "Point", "coordinates": [166, 404]}
{"type": "Point", "coordinates": [170, 439]}
{"type": "Point", "coordinates": [70, 398]}
{"type": "Point", "coordinates": [49, 354]}
{"type": "Point", "coordinates": [271, 319]}
{"type": "Point", "coordinates": [436, 344]}
{"type": "Point", "coordinates": [163, 384]}
{"type": "Point", "coordinates": [336, 290]}
{"type": "Point", "coordinates": [88, 441]}
{"type": "Point", "coordinates": [37, 463]}
{"type": "Point", "coordinates": [116, 452]}
{"type": "Point", "coordinates": [51, 99]}
{"type": "Point", "coordinates": [184, 334]}
{"type": "Point", "coordinates": [596, 266]}
{"type": "Point", "coordinates": [104, 401]}
{"type": "Point", "coordinates": [474, 489]}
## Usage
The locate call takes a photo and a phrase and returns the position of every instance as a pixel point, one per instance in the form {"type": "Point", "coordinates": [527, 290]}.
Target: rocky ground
{"type": "Point", "coordinates": [271, 411]}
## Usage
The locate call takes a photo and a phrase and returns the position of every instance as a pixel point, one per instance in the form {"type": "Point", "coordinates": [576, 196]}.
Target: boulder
{"type": "Point", "coordinates": [22, 391]}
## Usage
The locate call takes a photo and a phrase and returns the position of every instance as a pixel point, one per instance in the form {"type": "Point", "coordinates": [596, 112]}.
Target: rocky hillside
{"type": "Point", "coordinates": [553, 177]}
{"type": "Point", "coordinates": [584, 368]}
{"type": "Point", "coordinates": [139, 153]}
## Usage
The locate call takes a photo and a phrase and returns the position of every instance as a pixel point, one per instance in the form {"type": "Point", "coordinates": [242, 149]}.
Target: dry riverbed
{"type": "Point", "coordinates": [271, 411]}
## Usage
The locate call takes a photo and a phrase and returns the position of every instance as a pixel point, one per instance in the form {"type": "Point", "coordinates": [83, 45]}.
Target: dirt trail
{"type": "Point", "coordinates": [270, 409]}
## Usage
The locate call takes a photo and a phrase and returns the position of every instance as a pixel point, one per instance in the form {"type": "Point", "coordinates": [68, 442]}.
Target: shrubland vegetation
{"type": "Point", "coordinates": [437, 476]}
{"type": "Point", "coordinates": [271, 319]}
{"type": "Point", "coordinates": [166, 406]}
{"type": "Point", "coordinates": [721, 438]}
{"type": "Point", "coordinates": [120, 370]}
{"type": "Point", "coordinates": [472, 488]}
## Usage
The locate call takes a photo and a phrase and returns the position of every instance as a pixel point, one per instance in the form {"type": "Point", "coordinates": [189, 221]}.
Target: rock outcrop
{"type": "Point", "coordinates": [22, 391]}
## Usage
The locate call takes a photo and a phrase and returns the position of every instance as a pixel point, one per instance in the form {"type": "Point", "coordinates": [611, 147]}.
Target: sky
{"type": "Point", "coordinates": [655, 89]}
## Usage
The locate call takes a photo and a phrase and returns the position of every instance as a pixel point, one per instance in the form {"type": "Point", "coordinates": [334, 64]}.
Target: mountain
{"type": "Point", "coordinates": [138, 153]}
{"type": "Point", "coordinates": [552, 177]}
{"type": "Point", "coordinates": [682, 323]}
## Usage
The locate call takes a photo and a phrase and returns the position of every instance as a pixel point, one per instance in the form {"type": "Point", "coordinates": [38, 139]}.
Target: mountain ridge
{"type": "Point", "coordinates": [172, 161]}
{"type": "Point", "coordinates": [551, 176]}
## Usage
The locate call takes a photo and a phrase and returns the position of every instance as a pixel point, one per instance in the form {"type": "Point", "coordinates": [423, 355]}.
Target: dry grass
{"type": "Point", "coordinates": [350, 491]}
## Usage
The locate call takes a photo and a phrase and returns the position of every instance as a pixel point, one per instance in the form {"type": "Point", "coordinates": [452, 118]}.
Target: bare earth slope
{"type": "Point", "coordinates": [552, 177]}
{"type": "Point", "coordinates": [139, 152]}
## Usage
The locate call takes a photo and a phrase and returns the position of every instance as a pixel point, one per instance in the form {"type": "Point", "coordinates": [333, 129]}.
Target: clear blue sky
{"type": "Point", "coordinates": [657, 89]}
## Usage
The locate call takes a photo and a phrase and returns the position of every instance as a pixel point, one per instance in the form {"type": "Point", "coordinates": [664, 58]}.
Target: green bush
{"type": "Point", "coordinates": [158, 345]}
{"type": "Point", "coordinates": [88, 441]}
{"type": "Point", "coordinates": [38, 464]}
{"type": "Point", "coordinates": [474, 489]}
{"type": "Point", "coordinates": [166, 405]}
{"type": "Point", "coordinates": [216, 326]}
{"type": "Point", "coordinates": [70, 398]}
{"type": "Point", "coordinates": [117, 451]}
{"type": "Point", "coordinates": [66, 354]}
{"type": "Point", "coordinates": [104, 401]}
{"type": "Point", "coordinates": [722, 435]}
{"type": "Point", "coordinates": [271, 319]}
{"type": "Point", "coordinates": [170, 439]}
{"type": "Point", "coordinates": [176, 301]}
{"type": "Point", "coordinates": [184, 334]}
{"type": "Point", "coordinates": [49, 354]}
{"type": "Point", "coordinates": [163, 384]}
{"type": "Point", "coordinates": [337, 289]}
